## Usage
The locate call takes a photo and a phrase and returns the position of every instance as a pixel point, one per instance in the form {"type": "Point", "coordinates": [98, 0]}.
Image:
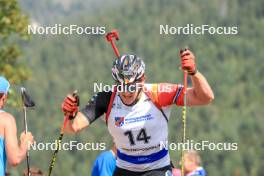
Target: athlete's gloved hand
{"type": "Point", "coordinates": [188, 61]}
{"type": "Point", "coordinates": [70, 105]}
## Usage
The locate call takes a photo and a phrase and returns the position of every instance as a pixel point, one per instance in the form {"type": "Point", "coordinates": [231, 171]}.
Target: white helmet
{"type": "Point", "coordinates": [128, 69]}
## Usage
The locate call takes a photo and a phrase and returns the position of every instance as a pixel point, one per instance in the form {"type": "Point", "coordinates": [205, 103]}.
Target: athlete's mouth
{"type": "Point", "coordinates": [127, 97]}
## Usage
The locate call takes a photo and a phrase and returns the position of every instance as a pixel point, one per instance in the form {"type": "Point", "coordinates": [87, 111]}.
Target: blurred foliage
{"type": "Point", "coordinates": [13, 29]}
{"type": "Point", "coordinates": [231, 63]}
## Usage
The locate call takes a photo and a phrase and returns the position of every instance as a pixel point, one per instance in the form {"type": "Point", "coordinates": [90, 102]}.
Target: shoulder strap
{"type": "Point", "coordinates": [153, 95]}
{"type": "Point", "coordinates": [109, 108]}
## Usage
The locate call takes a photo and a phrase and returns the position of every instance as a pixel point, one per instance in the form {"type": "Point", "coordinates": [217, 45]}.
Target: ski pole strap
{"type": "Point", "coordinates": [115, 49]}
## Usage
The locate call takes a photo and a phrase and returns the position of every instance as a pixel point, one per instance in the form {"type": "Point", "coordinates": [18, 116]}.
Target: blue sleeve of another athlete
{"type": "Point", "coordinates": [104, 164]}
{"type": "Point", "coordinates": [201, 172]}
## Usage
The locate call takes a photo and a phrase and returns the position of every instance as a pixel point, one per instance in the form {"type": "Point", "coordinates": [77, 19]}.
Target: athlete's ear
{"type": "Point", "coordinates": [143, 78]}
{"type": "Point", "coordinates": [4, 99]}
{"type": "Point", "coordinates": [2, 96]}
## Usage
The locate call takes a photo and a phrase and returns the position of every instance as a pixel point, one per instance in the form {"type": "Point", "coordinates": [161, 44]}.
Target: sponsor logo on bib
{"type": "Point", "coordinates": [119, 121]}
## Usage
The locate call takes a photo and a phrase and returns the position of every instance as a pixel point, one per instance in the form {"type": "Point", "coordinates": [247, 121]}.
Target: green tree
{"type": "Point", "coordinates": [13, 28]}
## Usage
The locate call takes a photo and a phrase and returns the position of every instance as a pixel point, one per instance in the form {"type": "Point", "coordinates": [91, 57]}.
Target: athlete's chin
{"type": "Point", "coordinates": [128, 100]}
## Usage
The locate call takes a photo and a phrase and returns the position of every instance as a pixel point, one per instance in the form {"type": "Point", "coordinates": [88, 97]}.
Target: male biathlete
{"type": "Point", "coordinates": [138, 119]}
{"type": "Point", "coordinates": [10, 150]}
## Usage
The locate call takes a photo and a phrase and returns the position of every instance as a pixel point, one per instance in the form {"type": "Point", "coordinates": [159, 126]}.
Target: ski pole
{"type": "Point", "coordinates": [58, 146]}
{"type": "Point", "coordinates": [27, 103]}
{"type": "Point", "coordinates": [184, 115]}
{"type": "Point", "coordinates": [184, 118]}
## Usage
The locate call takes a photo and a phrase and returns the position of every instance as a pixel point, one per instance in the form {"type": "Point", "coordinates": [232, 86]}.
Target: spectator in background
{"type": "Point", "coordinates": [105, 163]}
{"type": "Point", "coordinates": [192, 164]}
{"type": "Point", "coordinates": [176, 172]}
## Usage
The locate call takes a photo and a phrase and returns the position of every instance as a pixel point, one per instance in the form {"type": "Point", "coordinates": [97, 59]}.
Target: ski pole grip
{"type": "Point", "coordinates": [75, 95]}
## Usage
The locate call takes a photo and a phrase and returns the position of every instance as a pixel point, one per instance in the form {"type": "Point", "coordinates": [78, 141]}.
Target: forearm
{"type": "Point", "coordinates": [77, 124]}
{"type": "Point", "coordinates": [201, 88]}
{"type": "Point", "coordinates": [96, 107]}
{"type": "Point", "coordinates": [23, 148]}
{"type": "Point", "coordinates": [18, 155]}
